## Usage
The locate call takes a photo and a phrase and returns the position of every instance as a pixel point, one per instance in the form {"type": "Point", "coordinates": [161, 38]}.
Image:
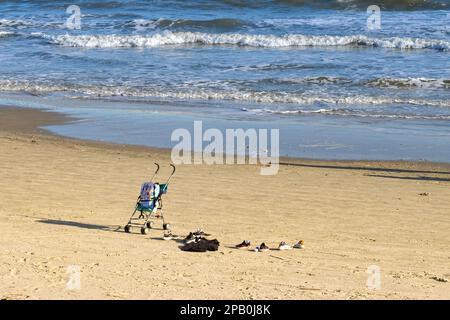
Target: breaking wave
{"type": "Point", "coordinates": [250, 40]}
{"type": "Point", "coordinates": [350, 113]}
{"type": "Point", "coordinates": [394, 83]}
{"type": "Point", "coordinates": [409, 83]}
{"type": "Point", "coordinates": [97, 91]}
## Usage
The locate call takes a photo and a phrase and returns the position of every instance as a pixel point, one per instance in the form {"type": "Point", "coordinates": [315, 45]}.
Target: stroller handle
{"type": "Point", "coordinates": [173, 171]}
{"type": "Point", "coordinates": [157, 169]}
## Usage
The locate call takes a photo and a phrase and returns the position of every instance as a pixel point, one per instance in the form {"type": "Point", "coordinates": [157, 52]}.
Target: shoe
{"type": "Point", "coordinates": [193, 237]}
{"type": "Point", "coordinates": [243, 244]}
{"type": "Point", "coordinates": [284, 246]}
{"type": "Point", "coordinates": [190, 238]}
{"type": "Point", "coordinates": [299, 245]}
{"type": "Point", "coordinates": [169, 236]}
{"type": "Point", "coordinates": [262, 247]}
{"type": "Point", "coordinates": [200, 233]}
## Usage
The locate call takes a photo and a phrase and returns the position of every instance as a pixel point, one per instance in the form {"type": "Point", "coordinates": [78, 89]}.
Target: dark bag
{"type": "Point", "coordinates": [202, 245]}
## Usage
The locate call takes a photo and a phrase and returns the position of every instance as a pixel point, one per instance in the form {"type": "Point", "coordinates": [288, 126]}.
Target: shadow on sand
{"type": "Point", "coordinates": [353, 167]}
{"type": "Point", "coordinates": [161, 239]}
{"type": "Point", "coordinates": [87, 225]}
{"type": "Point", "coordinates": [420, 178]}
{"type": "Point", "coordinates": [79, 225]}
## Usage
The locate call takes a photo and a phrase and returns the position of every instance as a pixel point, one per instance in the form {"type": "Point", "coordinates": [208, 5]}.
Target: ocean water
{"type": "Point", "coordinates": [135, 70]}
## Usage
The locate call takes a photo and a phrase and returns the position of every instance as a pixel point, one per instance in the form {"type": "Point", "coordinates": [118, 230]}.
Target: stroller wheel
{"type": "Point", "coordinates": [149, 224]}
{"type": "Point", "coordinates": [127, 228]}
{"type": "Point", "coordinates": [144, 230]}
{"type": "Point", "coordinates": [166, 226]}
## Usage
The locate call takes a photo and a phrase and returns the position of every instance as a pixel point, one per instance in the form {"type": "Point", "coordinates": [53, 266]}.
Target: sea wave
{"type": "Point", "coordinates": [5, 23]}
{"type": "Point", "coordinates": [219, 4]}
{"type": "Point", "coordinates": [383, 82]}
{"type": "Point", "coordinates": [327, 22]}
{"type": "Point", "coordinates": [4, 34]}
{"type": "Point", "coordinates": [250, 40]}
{"type": "Point", "coordinates": [351, 4]}
{"type": "Point", "coordinates": [409, 83]}
{"type": "Point", "coordinates": [140, 24]}
{"type": "Point", "coordinates": [349, 113]}
{"type": "Point", "coordinates": [99, 91]}
{"type": "Point", "coordinates": [280, 67]}
{"type": "Point", "coordinates": [320, 80]}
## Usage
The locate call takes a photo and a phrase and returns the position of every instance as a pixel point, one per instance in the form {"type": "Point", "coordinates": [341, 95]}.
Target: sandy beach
{"type": "Point", "coordinates": [64, 202]}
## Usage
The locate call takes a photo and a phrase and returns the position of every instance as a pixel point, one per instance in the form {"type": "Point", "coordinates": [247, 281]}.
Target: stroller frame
{"type": "Point", "coordinates": [144, 219]}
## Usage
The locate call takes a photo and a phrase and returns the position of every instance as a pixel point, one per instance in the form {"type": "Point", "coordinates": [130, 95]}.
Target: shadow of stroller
{"type": "Point", "coordinates": [161, 239]}
{"type": "Point", "coordinates": [78, 224]}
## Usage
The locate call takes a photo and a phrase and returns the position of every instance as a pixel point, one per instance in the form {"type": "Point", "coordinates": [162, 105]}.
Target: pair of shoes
{"type": "Point", "coordinates": [299, 245]}
{"type": "Point", "coordinates": [195, 236]}
{"type": "Point", "coordinates": [243, 244]}
{"type": "Point", "coordinates": [284, 246]}
{"type": "Point", "coordinates": [261, 248]}
{"type": "Point", "coordinates": [246, 244]}
{"type": "Point", "coordinates": [190, 238]}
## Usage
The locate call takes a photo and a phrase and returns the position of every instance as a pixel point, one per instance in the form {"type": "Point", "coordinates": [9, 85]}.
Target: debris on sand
{"type": "Point", "coordinates": [439, 279]}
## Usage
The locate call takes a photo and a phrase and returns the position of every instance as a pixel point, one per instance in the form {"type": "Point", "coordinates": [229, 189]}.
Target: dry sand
{"type": "Point", "coordinates": [62, 201]}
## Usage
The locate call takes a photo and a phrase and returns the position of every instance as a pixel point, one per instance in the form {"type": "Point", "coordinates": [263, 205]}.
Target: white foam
{"type": "Point", "coordinates": [410, 83]}
{"type": "Point", "coordinates": [13, 23]}
{"type": "Point", "coordinates": [270, 41]}
{"type": "Point", "coordinates": [6, 34]}
{"type": "Point", "coordinates": [352, 113]}
{"type": "Point", "coordinates": [206, 94]}
{"type": "Point", "coordinates": [142, 24]}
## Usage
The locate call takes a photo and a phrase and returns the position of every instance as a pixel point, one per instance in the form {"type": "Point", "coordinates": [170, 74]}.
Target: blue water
{"type": "Point", "coordinates": [311, 68]}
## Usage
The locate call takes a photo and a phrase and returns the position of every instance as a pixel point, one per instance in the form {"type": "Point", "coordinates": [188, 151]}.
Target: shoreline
{"type": "Point", "coordinates": [305, 137]}
{"type": "Point", "coordinates": [32, 121]}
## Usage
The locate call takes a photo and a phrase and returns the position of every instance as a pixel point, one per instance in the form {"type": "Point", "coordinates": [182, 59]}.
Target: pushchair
{"type": "Point", "coordinates": [149, 204]}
